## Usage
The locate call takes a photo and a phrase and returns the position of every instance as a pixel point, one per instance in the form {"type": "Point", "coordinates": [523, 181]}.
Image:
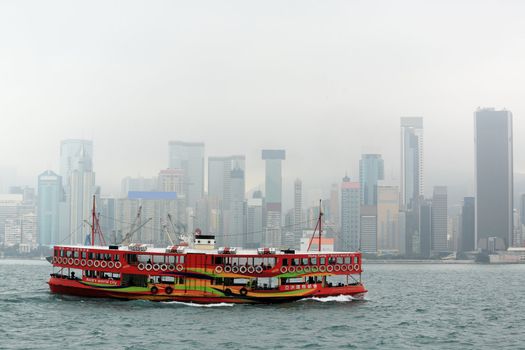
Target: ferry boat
{"type": "Point", "coordinates": [197, 272]}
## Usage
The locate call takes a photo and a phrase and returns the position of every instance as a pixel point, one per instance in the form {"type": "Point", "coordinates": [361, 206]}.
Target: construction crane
{"type": "Point", "coordinates": [133, 227]}
{"type": "Point", "coordinates": [178, 228]}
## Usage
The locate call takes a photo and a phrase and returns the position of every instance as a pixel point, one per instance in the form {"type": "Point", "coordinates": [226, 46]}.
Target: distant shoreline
{"type": "Point", "coordinates": [414, 261]}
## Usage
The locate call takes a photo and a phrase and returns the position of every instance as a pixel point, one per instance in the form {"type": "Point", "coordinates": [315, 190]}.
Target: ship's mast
{"type": "Point", "coordinates": [93, 222]}
{"type": "Point", "coordinates": [319, 225]}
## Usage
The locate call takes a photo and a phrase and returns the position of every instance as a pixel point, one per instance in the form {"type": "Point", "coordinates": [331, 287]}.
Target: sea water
{"type": "Point", "coordinates": [408, 306]}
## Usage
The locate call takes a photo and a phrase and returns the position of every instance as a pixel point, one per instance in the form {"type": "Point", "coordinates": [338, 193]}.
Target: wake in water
{"type": "Point", "coordinates": [197, 305]}
{"type": "Point", "coordinates": [339, 299]}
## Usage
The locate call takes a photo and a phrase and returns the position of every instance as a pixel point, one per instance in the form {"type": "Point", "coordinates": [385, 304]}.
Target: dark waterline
{"type": "Point", "coordinates": [408, 306]}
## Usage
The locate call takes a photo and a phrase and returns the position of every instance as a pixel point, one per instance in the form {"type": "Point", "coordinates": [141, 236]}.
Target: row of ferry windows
{"type": "Point", "coordinates": [155, 259]}
{"type": "Point", "coordinates": [75, 254]}
{"type": "Point", "coordinates": [244, 261]}
{"type": "Point", "coordinates": [322, 261]}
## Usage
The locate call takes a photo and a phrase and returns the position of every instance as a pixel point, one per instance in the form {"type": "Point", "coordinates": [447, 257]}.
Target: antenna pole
{"type": "Point", "coordinates": [93, 223]}
{"type": "Point", "coordinates": [320, 222]}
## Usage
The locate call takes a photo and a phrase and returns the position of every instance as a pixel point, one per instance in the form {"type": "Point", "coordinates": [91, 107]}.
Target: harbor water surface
{"type": "Point", "coordinates": [408, 306]}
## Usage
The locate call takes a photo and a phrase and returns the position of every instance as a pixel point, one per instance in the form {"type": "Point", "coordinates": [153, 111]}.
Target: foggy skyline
{"type": "Point", "coordinates": [326, 81]}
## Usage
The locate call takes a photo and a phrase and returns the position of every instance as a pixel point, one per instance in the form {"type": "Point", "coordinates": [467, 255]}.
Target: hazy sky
{"type": "Point", "coordinates": [326, 80]}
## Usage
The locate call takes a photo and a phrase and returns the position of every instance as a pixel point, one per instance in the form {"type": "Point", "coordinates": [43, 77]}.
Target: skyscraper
{"type": "Point", "coordinates": [425, 229]}
{"type": "Point", "coordinates": [371, 170]}
{"type": "Point", "coordinates": [494, 178]}
{"type": "Point", "coordinates": [226, 189]}
{"type": "Point", "coordinates": [50, 194]}
{"type": "Point", "coordinates": [189, 157]}
{"type": "Point", "coordinates": [388, 233]}
{"type": "Point", "coordinates": [69, 157]}
{"type": "Point", "coordinates": [412, 184]}
{"type": "Point", "coordinates": [298, 212]}
{"type": "Point", "coordinates": [439, 219]}
{"type": "Point", "coordinates": [467, 241]}
{"type": "Point", "coordinates": [254, 223]}
{"type": "Point", "coordinates": [80, 190]}
{"type": "Point", "coordinates": [273, 188]}
{"type": "Point", "coordinates": [350, 215]}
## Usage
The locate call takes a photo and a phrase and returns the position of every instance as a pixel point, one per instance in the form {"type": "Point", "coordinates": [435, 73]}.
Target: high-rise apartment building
{"type": "Point", "coordinates": [50, 195]}
{"type": "Point", "coordinates": [273, 197]}
{"type": "Point", "coordinates": [70, 151]}
{"type": "Point", "coordinates": [254, 223]}
{"type": "Point", "coordinates": [494, 178]}
{"type": "Point", "coordinates": [371, 170]}
{"type": "Point", "coordinates": [439, 219]}
{"type": "Point", "coordinates": [425, 228]}
{"type": "Point", "coordinates": [189, 157]}
{"type": "Point", "coordinates": [350, 215]}
{"type": "Point", "coordinates": [368, 229]}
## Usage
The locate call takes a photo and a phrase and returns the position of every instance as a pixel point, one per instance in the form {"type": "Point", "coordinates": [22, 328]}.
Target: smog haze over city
{"type": "Point", "coordinates": [240, 174]}
{"type": "Point", "coordinates": [325, 80]}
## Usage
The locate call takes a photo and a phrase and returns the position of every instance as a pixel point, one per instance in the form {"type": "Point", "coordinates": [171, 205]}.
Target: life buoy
{"type": "Point", "coordinates": [259, 269]}
{"type": "Point", "coordinates": [356, 267]}
{"type": "Point", "coordinates": [243, 291]}
{"type": "Point", "coordinates": [164, 267]}
{"type": "Point", "coordinates": [140, 266]}
{"type": "Point", "coordinates": [154, 290]}
{"type": "Point", "coordinates": [168, 290]}
{"type": "Point", "coordinates": [180, 267]}
{"type": "Point", "coordinates": [118, 265]}
{"type": "Point", "coordinates": [70, 261]}
{"type": "Point", "coordinates": [148, 267]}
{"type": "Point", "coordinates": [329, 268]}
{"type": "Point", "coordinates": [103, 264]}
{"type": "Point", "coordinates": [337, 268]}
{"type": "Point", "coordinates": [235, 269]}
{"type": "Point", "coordinates": [243, 269]}
{"type": "Point", "coordinates": [96, 263]}
{"type": "Point", "coordinates": [111, 264]}
{"type": "Point", "coordinates": [344, 268]}
{"type": "Point", "coordinates": [322, 268]}
{"type": "Point", "coordinates": [283, 269]}
{"type": "Point", "coordinates": [299, 269]}
{"type": "Point", "coordinates": [291, 269]}
{"type": "Point", "coordinates": [90, 263]}
{"type": "Point", "coordinates": [227, 269]}
{"type": "Point", "coordinates": [315, 269]}
{"type": "Point", "coordinates": [83, 262]}
{"type": "Point", "coordinates": [251, 269]}
{"type": "Point", "coordinates": [58, 260]}
{"type": "Point", "coordinates": [156, 267]}
{"type": "Point", "coordinates": [54, 260]}
{"type": "Point", "coordinates": [77, 262]}
{"type": "Point", "coordinates": [171, 267]}
{"type": "Point", "coordinates": [307, 269]}
{"type": "Point", "coordinates": [218, 269]}
{"type": "Point", "coordinates": [350, 267]}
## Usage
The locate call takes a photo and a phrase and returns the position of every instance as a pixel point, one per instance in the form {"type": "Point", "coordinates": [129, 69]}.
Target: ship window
{"type": "Point", "coordinates": [75, 254]}
{"type": "Point", "coordinates": [171, 259]}
{"type": "Point", "coordinates": [62, 252]}
{"type": "Point", "coordinates": [258, 261]}
{"type": "Point", "coordinates": [295, 262]}
{"type": "Point", "coordinates": [235, 261]}
{"type": "Point", "coordinates": [218, 260]}
{"type": "Point", "coordinates": [322, 261]}
{"type": "Point", "coordinates": [116, 257]}
{"type": "Point", "coordinates": [158, 259]}
{"type": "Point", "coordinates": [313, 261]}
{"type": "Point", "coordinates": [243, 261]}
{"type": "Point", "coordinates": [107, 257]}
{"type": "Point", "coordinates": [305, 261]}
{"type": "Point", "coordinates": [68, 253]}
{"type": "Point", "coordinates": [56, 252]}
{"type": "Point", "coordinates": [270, 262]}
{"type": "Point", "coordinates": [181, 259]}
{"type": "Point", "coordinates": [340, 260]}
{"type": "Point", "coordinates": [144, 258]}
{"type": "Point", "coordinates": [285, 262]}
{"type": "Point", "coordinates": [90, 255]}
{"type": "Point", "coordinates": [331, 260]}
{"type": "Point", "coordinates": [356, 260]}
{"type": "Point", "coordinates": [168, 279]}
{"type": "Point", "coordinates": [181, 280]}
{"type": "Point", "coordinates": [83, 254]}
{"type": "Point", "coordinates": [348, 260]}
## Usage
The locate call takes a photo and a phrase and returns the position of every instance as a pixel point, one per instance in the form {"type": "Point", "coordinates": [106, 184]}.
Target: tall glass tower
{"type": "Point", "coordinates": [371, 170]}
{"type": "Point", "coordinates": [494, 179]}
